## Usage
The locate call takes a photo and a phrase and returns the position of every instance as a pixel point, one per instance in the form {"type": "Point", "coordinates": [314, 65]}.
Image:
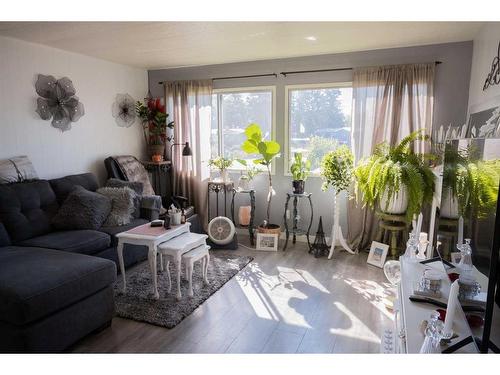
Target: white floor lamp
{"type": "Point", "coordinates": [337, 236]}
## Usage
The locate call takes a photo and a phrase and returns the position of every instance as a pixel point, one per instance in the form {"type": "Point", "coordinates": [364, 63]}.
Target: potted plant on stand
{"type": "Point", "coordinates": [300, 170]}
{"type": "Point", "coordinates": [267, 151]}
{"type": "Point", "coordinates": [154, 125]}
{"type": "Point", "coordinates": [337, 173]}
{"type": "Point", "coordinates": [222, 164]}
{"type": "Point", "coordinates": [397, 179]}
{"type": "Point", "coordinates": [246, 178]}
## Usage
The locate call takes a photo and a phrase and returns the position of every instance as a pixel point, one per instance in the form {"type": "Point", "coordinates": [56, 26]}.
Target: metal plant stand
{"type": "Point", "coordinates": [217, 187]}
{"type": "Point", "coordinates": [295, 230]}
{"type": "Point", "coordinates": [250, 226]}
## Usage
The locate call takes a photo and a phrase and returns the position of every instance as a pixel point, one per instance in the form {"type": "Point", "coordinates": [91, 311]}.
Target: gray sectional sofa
{"type": "Point", "coordinates": [55, 286]}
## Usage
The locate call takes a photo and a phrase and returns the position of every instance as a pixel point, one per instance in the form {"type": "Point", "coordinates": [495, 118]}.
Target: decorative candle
{"type": "Point", "coordinates": [451, 308]}
{"type": "Point", "coordinates": [419, 225]}
{"type": "Point", "coordinates": [460, 238]}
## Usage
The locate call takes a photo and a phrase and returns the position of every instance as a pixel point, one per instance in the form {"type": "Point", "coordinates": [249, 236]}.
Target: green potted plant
{"type": "Point", "coordinates": [300, 170]}
{"type": "Point", "coordinates": [267, 151]}
{"type": "Point", "coordinates": [154, 125]}
{"type": "Point", "coordinates": [222, 164]}
{"type": "Point", "coordinates": [337, 173]}
{"type": "Point", "coordinates": [395, 178]}
{"type": "Point", "coordinates": [245, 178]}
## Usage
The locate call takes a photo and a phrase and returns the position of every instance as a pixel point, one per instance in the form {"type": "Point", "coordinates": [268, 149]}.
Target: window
{"type": "Point", "coordinates": [318, 119]}
{"type": "Point", "coordinates": [232, 111]}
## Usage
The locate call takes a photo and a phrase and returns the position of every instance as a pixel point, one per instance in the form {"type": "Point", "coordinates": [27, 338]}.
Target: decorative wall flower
{"type": "Point", "coordinates": [124, 110]}
{"type": "Point", "coordinates": [58, 101]}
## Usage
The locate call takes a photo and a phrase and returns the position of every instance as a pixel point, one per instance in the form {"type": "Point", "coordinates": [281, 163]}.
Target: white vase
{"type": "Point", "coordinates": [224, 175]}
{"type": "Point", "coordinates": [243, 183]}
{"type": "Point", "coordinates": [398, 204]}
{"type": "Point", "coordinates": [449, 204]}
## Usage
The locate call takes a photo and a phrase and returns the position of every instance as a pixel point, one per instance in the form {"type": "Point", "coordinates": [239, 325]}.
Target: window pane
{"type": "Point", "coordinates": [237, 111]}
{"type": "Point", "coordinates": [214, 132]}
{"type": "Point", "coordinates": [319, 120]}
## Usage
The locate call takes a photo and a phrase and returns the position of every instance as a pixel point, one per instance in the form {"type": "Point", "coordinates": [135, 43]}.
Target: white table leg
{"type": "Point", "coordinates": [161, 262]}
{"type": "Point", "coordinates": [205, 269]}
{"type": "Point", "coordinates": [189, 275]}
{"type": "Point", "coordinates": [119, 249]}
{"type": "Point", "coordinates": [152, 265]}
{"type": "Point", "coordinates": [167, 267]}
{"type": "Point", "coordinates": [178, 264]}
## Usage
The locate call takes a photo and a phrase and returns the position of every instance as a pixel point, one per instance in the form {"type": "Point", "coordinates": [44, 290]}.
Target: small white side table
{"type": "Point", "coordinates": [192, 256]}
{"type": "Point", "coordinates": [151, 237]}
{"type": "Point", "coordinates": [175, 248]}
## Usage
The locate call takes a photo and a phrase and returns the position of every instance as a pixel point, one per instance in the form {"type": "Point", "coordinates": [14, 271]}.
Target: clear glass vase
{"type": "Point", "coordinates": [466, 256]}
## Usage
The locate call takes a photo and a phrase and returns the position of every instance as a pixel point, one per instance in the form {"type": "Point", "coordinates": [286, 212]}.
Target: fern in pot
{"type": "Point", "coordinates": [395, 178]}
{"type": "Point", "coordinates": [266, 152]}
{"type": "Point", "coordinates": [300, 170]}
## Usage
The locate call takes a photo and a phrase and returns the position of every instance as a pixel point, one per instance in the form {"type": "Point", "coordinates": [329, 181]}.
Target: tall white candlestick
{"type": "Point", "coordinates": [419, 225]}
{"type": "Point", "coordinates": [460, 238]}
{"type": "Point", "coordinates": [450, 310]}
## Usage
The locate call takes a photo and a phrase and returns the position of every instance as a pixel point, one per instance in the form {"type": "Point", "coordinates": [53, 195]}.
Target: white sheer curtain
{"type": "Point", "coordinates": [389, 102]}
{"type": "Point", "coordinates": [189, 105]}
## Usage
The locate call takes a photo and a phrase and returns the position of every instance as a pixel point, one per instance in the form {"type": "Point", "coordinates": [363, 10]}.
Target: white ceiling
{"type": "Point", "coordinates": [155, 45]}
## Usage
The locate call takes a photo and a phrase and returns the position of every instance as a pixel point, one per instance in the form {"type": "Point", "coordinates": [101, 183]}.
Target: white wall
{"type": "Point", "coordinates": [92, 138]}
{"type": "Point", "coordinates": [485, 48]}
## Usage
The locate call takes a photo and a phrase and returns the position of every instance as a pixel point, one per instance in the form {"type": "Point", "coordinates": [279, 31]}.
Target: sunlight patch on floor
{"type": "Point", "coordinates": [374, 292]}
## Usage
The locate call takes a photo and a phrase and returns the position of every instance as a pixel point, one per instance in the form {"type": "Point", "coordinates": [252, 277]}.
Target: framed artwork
{"type": "Point", "coordinates": [378, 253]}
{"type": "Point", "coordinates": [267, 242]}
{"type": "Point", "coordinates": [484, 120]}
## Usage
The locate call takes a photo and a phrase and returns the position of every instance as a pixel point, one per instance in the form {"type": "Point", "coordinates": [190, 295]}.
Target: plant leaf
{"type": "Point", "coordinates": [249, 147]}
{"type": "Point", "coordinates": [253, 132]}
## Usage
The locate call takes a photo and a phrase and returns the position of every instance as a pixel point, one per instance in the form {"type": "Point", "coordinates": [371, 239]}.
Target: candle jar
{"type": "Point", "coordinates": [431, 281]}
{"type": "Point", "coordinates": [468, 287]}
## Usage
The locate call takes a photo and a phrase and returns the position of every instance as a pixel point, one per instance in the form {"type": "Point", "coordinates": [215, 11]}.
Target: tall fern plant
{"type": "Point", "coordinates": [390, 168]}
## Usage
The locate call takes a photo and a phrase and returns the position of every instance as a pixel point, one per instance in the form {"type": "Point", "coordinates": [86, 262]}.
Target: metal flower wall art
{"type": "Point", "coordinates": [124, 110]}
{"type": "Point", "coordinates": [58, 102]}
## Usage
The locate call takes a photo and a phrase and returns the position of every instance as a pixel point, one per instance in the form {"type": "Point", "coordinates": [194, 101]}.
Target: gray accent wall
{"type": "Point", "coordinates": [451, 97]}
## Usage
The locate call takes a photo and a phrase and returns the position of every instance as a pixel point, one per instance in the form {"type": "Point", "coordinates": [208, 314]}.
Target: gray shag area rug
{"type": "Point", "coordinates": [138, 302]}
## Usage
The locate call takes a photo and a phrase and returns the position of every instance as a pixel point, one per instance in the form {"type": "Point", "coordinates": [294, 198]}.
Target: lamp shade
{"type": "Point", "coordinates": [186, 151]}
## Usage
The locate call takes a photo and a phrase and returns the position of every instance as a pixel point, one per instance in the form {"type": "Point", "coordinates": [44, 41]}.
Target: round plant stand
{"type": "Point", "coordinates": [250, 226]}
{"type": "Point", "coordinates": [295, 230]}
{"type": "Point", "coordinates": [392, 229]}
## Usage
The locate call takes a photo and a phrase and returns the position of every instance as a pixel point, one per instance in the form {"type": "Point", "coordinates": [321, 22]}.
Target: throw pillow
{"type": "Point", "coordinates": [17, 169]}
{"type": "Point", "coordinates": [122, 205]}
{"type": "Point", "coordinates": [136, 186]}
{"type": "Point", "coordinates": [82, 209]}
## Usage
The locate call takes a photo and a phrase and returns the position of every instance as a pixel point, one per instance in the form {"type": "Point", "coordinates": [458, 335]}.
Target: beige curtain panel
{"type": "Point", "coordinates": [189, 105]}
{"type": "Point", "coordinates": [389, 102]}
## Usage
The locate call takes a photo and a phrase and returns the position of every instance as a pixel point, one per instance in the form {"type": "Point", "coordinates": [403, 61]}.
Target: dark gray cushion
{"type": "Point", "coordinates": [113, 231]}
{"type": "Point", "coordinates": [74, 241]}
{"type": "Point", "coordinates": [136, 186]}
{"type": "Point", "coordinates": [82, 209]}
{"type": "Point", "coordinates": [26, 209]}
{"type": "Point", "coordinates": [4, 236]}
{"type": "Point", "coordinates": [64, 186]}
{"type": "Point", "coordinates": [36, 282]}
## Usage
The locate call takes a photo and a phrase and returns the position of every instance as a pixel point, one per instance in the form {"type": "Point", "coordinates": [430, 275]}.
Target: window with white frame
{"type": "Point", "coordinates": [232, 111]}
{"type": "Point", "coordinates": [318, 118]}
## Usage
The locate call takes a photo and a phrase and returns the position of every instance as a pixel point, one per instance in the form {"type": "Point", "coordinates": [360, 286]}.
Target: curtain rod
{"type": "Point", "coordinates": [284, 73]}
{"type": "Point", "coordinates": [237, 77]}
{"type": "Point", "coordinates": [326, 70]}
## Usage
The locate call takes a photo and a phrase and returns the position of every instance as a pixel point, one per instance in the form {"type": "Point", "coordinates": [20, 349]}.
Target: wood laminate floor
{"type": "Point", "coordinates": [284, 302]}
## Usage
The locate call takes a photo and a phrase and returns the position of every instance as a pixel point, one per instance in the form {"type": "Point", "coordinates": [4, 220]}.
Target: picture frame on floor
{"type": "Point", "coordinates": [378, 254]}
{"type": "Point", "coordinates": [267, 242]}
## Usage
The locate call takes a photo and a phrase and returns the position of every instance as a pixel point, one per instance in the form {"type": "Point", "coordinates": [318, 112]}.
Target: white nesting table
{"type": "Point", "coordinates": [151, 237]}
{"type": "Point", "coordinates": [175, 248]}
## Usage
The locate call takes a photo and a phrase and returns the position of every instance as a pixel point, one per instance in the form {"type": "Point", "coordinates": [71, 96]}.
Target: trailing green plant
{"type": "Point", "coordinates": [221, 163]}
{"type": "Point", "coordinates": [390, 168]}
{"type": "Point", "coordinates": [300, 168]}
{"type": "Point", "coordinates": [337, 169]}
{"type": "Point", "coordinates": [267, 151]}
{"type": "Point", "coordinates": [250, 170]}
{"type": "Point", "coordinates": [473, 183]}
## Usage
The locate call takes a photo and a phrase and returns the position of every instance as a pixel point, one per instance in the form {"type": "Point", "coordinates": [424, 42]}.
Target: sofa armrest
{"type": "Point", "coordinates": [150, 207]}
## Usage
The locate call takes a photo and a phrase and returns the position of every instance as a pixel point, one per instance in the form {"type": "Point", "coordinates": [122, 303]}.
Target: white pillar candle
{"type": "Point", "coordinates": [460, 238]}
{"type": "Point", "coordinates": [450, 310]}
{"type": "Point", "coordinates": [419, 225]}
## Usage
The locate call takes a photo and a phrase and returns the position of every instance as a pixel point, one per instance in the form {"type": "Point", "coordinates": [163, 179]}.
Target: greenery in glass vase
{"type": "Point", "coordinates": [154, 121]}
{"type": "Point", "coordinates": [250, 170]}
{"type": "Point", "coordinates": [300, 168]}
{"type": "Point", "coordinates": [337, 169]}
{"type": "Point", "coordinates": [390, 168]}
{"type": "Point", "coordinates": [473, 183]}
{"type": "Point", "coordinates": [267, 151]}
{"type": "Point", "coordinates": [221, 163]}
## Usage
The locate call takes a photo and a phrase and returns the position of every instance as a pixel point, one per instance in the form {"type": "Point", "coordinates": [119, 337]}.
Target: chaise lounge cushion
{"type": "Point", "coordinates": [26, 209]}
{"type": "Point", "coordinates": [37, 282]}
{"type": "Point", "coordinates": [87, 242]}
